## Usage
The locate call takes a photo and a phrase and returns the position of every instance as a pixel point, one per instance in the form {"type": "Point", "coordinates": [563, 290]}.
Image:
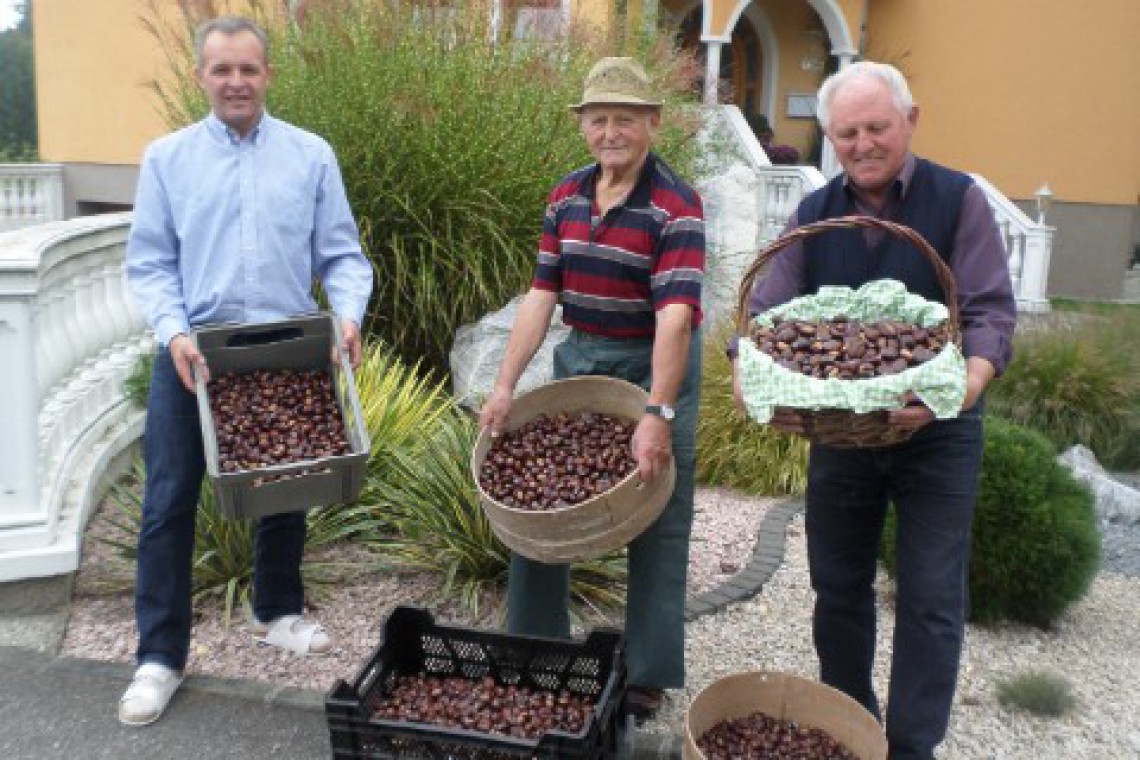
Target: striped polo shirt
{"type": "Point", "coordinates": [615, 272]}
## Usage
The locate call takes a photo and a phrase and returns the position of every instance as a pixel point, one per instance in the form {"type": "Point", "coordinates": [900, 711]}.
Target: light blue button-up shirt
{"type": "Point", "coordinates": [228, 229]}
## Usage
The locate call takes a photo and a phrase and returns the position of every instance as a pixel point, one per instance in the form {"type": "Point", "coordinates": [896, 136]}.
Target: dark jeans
{"type": "Point", "coordinates": [175, 464]}
{"type": "Point", "coordinates": [538, 595]}
{"type": "Point", "coordinates": [932, 480]}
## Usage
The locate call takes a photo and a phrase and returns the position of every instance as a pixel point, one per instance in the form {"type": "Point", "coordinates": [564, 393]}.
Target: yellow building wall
{"type": "Point", "coordinates": [1023, 91]}
{"type": "Point", "coordinates": [92, 102]}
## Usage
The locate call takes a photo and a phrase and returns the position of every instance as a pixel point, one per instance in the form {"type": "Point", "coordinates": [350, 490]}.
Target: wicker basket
{"type": "Point", "coordinates": [808, 704]}
{"type": "Point", "coordinates": [842, 427]}
{"type": "Point", "coordinates": [591, 528]}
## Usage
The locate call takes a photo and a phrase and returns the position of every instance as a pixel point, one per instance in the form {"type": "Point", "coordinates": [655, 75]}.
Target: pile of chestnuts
{"type": "Point", "coordinates": [761, 736]}
{"type": "Point", "coordinates": [483, 705]}
{"type": "Point", "coordinates": [273, 417]}
{"type": "Point", "coordinates": [848, 349]}
{"type": "Point", "coordinates": [558, 460]}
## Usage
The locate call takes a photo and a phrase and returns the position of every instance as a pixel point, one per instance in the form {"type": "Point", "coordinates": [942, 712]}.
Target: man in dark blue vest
{"type": "Point", "coordinates": [867, 111]}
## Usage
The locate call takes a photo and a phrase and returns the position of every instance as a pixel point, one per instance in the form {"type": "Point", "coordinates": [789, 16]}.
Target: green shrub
{"type": "Point", "coordinates": [1079, 386]}
{"type": "Point", "coordinates": [1038, 692]}
{"type": "Point", "coordinates": [437, 524]}
{"type": "Point", "coordinates": [448, 144]}
{"type": "Point", "coordinates": [734, 451]}
{"type": "Point", "coordinates": [1035, 547]}
{"type": "Point", "coordinates": [136, 387]}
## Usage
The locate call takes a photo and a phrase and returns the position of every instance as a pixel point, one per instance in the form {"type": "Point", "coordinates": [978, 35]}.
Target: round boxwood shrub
{"type": "Point", "coordinates": [1035, 547]}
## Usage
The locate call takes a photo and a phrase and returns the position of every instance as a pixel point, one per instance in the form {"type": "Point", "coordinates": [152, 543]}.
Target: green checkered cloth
{"type": "Point", "coordinates": [940, 383]}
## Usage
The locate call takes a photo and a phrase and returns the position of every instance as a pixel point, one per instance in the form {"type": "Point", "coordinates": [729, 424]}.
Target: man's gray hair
{"type": "Point", "coordinates": [228, 25]}
{"type": "Point", "coordinates": [884, 72]}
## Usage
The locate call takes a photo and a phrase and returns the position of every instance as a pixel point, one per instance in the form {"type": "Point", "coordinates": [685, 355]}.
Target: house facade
{"type": "Point", "coordinates": [1030, 94]}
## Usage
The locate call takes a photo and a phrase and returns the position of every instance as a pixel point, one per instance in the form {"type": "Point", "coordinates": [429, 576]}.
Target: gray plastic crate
{"type": "Point", "coordinates": [301, 343]}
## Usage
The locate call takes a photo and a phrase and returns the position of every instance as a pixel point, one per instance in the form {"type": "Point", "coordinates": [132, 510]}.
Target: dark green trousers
{"type": "Point", "coordinates": [538, 595]}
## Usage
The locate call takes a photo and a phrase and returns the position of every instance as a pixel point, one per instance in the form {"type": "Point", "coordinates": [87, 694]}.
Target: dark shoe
{"type": "Point", "coordinates": [643, 702]}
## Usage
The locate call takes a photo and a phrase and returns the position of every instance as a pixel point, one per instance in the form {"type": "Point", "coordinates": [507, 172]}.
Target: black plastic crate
{"type": "Point", "coordinates": [300, 343]}
{"type": "Point", "coordinates": [413, 644]}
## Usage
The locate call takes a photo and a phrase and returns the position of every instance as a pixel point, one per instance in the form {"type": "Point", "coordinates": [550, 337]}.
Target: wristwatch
{"type": "Point", "coordinates": [664, 411]}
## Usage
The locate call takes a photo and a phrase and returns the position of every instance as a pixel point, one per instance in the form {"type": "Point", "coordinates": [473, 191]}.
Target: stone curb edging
{"type": "Point", "coordinates": [767, 556]}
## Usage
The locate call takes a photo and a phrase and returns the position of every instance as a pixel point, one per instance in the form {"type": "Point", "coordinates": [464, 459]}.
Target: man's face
{"type": "Point", "coordinates": [234, 75]}
{"type": "Point", "coordinates": [619, 137]}
{"type": "Point", "coordinates": [870, 135]}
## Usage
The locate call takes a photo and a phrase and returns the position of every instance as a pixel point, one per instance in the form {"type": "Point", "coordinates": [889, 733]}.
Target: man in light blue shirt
{"type": "Point", "coordinates": [234, 217]}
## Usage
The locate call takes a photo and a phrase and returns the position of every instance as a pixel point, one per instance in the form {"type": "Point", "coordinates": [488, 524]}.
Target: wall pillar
{"type": "Point", "coordinates": [712, 72]}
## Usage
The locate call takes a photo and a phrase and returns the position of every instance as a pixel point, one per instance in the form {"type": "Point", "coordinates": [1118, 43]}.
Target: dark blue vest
{"type": "Point", "coordinates": [931, 208]}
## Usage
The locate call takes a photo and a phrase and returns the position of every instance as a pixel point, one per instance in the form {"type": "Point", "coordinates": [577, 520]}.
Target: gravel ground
{"type": "Point", "coordinates": [1093, 646]}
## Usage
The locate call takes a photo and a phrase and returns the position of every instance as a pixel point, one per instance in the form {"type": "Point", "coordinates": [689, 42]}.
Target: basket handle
{"type": "Point", "coordinates": [945, 276]}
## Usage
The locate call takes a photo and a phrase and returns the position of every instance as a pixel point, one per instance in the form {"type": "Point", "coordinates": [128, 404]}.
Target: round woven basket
{"type": "Point", "coordinates": [593, 527]}
{"type": "Point", "coordinates": [808, 704]}
{"type": "Point", "coordinates": [842, 427]}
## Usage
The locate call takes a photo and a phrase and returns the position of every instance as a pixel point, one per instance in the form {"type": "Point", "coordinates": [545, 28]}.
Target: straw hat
{"type": "Point", "coordinates": [617, 81]}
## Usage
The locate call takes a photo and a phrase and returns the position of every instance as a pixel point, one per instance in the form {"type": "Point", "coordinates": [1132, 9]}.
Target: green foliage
{"type": "Point", "coordinates": [1038, 692]}
{"type": "Point", "coordinates": [734, 451]}
{"type": "Point", "coordinates": [1079, 386]}
{"type": "Point", "coordinates": [448, 143]}
{"type": "Point", "coordinates": [136, 387]}
{"type": "Point", "coordinates": [437, 525]}
{"type": "Point", "coordinates": [17, 96]}
{"type": "Point", "coordinates": [222, 564]}
{"type": "Point", "coordinates": [1035, 547]}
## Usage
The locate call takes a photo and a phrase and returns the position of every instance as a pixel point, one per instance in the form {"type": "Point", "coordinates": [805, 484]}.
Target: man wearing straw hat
{"type": "Point", "coordinates": [868, 113]}
{"type": "Point", "coordinates": [623, 249]}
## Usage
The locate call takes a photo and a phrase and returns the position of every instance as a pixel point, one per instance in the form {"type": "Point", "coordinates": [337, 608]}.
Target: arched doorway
{"type": "Point", "coordinates": [741, 62]}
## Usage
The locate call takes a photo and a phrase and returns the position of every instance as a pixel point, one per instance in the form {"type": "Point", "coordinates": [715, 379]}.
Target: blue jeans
{"type": "Point", "coordinates": [538, 595]}
{"type": "Point", "coordinates": [932, 479]}
{"type": "Point", "coordinates": [175, 464]}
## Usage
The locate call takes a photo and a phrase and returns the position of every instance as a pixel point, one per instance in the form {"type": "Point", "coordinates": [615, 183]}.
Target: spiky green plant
{"type": "Point", "coordinates": [734, 451]}
{"type": "Point", "coordinates": [439, 526]}
{"type": "Point", "coordinates": [1069, 388]}
{"type": "Point", "coordinates": [222, 564]}
{"type": "Point", "coordinates": [1038, 692]}
{"type": "Point", "coordinates": [136, 387]}
{"type": "Point", "coordinates": [448, 141]}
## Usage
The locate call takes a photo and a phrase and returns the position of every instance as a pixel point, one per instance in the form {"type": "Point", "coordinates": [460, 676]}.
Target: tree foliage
{"type": "Point", "coordinates": [17, 93]}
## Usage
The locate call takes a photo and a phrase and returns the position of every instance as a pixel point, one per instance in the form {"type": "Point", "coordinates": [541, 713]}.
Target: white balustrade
{"type": "Point", "coordinates": [72, 335]}
{"type": "Point", "coordinates": [30, 194]}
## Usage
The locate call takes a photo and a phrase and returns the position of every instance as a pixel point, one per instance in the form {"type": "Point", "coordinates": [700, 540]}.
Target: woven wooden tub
{"type": "Point", "coordinates": [807, 703]}
{"type": "Point", "coordinates": [593, 527]}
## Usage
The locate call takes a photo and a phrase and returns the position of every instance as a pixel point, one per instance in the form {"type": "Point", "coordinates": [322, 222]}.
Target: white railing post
{"type": "Point", "coordinates": [1029, 245]}
{"type": "Point", "coordinates": [19, 487]}
{"type": "Point", "coordinates": [30, 194]}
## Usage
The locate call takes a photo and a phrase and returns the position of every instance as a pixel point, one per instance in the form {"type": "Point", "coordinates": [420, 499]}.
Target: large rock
{"type": "Point", "coordinates": [478, 351]}
{"type": "Point", "coordinates": [732, 229]}
{"type": "Point", "coordinates": [1115, 501]}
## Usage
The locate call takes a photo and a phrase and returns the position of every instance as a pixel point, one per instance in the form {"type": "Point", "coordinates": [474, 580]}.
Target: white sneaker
{"type": "Point", "coordinates": [149, 694]}
{"type": "Point", "coordinates": [294, 633]}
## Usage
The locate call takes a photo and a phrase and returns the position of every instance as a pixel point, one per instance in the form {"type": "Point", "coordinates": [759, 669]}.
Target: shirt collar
{"type": "Point", "coordinates": [899, 186]}
{"type": "Point", "coordinates": [638, 197]}
{"type": "Point", "coordinates": [223, 133]}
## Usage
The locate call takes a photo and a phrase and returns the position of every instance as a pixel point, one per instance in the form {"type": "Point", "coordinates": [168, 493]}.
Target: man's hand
{"type": "Point", "coordinates": [652, 446]}
{"type": "Point", "coordinates": [350, 337]}
{"type": "Point", "coordinates": [912, 416]}
{"type": "Point", "coordinates": [496, 409]}
{"type": "Point", "coordinates": [186, 356]}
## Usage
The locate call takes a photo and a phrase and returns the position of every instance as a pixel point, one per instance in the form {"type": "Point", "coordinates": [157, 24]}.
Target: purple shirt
{"type": "Point", "coordinates": [978, 262]}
